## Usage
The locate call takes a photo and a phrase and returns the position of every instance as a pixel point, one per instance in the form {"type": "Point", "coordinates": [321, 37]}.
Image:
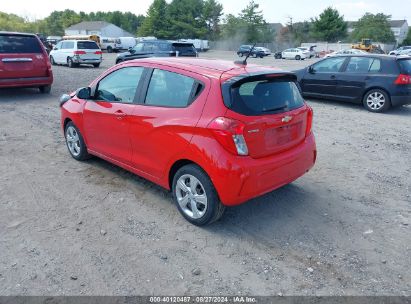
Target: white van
{"type": "Point", "coordinates": [124, 43]}
{"type": "Point", "coordinates": [200, 45]}
{"type": "Point", "coordinates": [76, 52]}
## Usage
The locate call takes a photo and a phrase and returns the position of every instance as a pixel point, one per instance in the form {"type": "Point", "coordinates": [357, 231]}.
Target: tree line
{"type": "Point", "coordinates": [205, 19]}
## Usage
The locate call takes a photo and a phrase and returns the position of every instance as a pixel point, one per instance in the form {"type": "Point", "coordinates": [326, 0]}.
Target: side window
{"type": "Point", "coordinates": [120, 86]}
{"type": "Point", "coordinates": [330, 65]}
{"type": "Point", "coordinates": [170, 89]}
{"type": "Point", "coordinates": [375, 66]}
{"type": "Point", "coordinates": [148, 47]}
{"type": "Point", "coordinates": [69, 45]}
{"type": "Point", "coordinates": [58, 45]}
{"type": "Point", "coordinates": [359, 64]}
{"type": "Point", "coordinates": [138, 47]}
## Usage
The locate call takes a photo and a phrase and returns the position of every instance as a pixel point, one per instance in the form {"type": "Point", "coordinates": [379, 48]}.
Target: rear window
{"type": "Point", "coordinates": [19, 44]}
{"type": "Point", "coordinates": [405, 66]}
{"type": "Point", "coordinates": [265, 97]}
{"type": "Point", "coordinates": [87, 45]}
{"type": "Point", "coordinates": [184, 48]}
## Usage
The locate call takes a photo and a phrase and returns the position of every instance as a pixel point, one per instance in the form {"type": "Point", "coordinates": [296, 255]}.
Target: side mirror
{"type": "Point", "coordinates": [55, 49]}
{"type": "Point", "coordinates": [311, 70]}
{"type": "Point", "coordinates": [83, 93]}
{"type": "Point", "coordinates": [131, 50]}
{"type": "Point", "coordinates": [64, 98]}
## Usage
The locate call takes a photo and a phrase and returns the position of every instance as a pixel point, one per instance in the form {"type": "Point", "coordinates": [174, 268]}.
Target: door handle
{"type": "Point", "coordinates": [120, 114]}
{"type": "Point", "coordinates": [332, 76]}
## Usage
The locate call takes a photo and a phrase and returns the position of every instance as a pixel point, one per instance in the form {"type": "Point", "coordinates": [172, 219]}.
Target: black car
{"type": "Point", "coordinates": [244, 50]}
{"type": "Point", "coordinates": [376, 81]}
{"type": "Point", "coordinates": [158, 48]}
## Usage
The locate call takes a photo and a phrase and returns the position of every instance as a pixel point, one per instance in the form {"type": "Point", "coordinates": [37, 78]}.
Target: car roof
{"type": "Point", "coordinates": [208, 67]}
{"type": "Point", "coordinates": [381, 56]}
{"type": "Point", "coordinates": [4, 33]}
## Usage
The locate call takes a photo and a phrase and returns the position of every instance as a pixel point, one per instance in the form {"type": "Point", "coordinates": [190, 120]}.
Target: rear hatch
{"type": "Point", "coordinates": [274, 114]}
{"type": "Point", "coordinates": [88, 50]}
{"type": "Point", "coordinates": [184, 49]}
{"type": "Point", "coordinates": [22, 56]}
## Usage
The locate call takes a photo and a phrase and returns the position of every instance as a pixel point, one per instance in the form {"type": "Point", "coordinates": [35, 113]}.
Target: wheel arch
{"type": "Point", "coordinates": [177, 165]}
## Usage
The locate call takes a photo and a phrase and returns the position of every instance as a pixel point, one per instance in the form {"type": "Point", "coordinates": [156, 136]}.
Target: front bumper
{"type": "Point", "coordinates": [256, 177]}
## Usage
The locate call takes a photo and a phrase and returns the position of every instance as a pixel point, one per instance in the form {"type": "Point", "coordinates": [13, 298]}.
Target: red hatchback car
{"type": "Point", "coordinates": [24, 62]}
{"type": "Point", "coordinates": [214, 133]}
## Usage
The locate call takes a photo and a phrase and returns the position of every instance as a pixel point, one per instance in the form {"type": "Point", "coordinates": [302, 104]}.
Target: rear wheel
{"type": "Point", "coordinates": [298, 57]}
{"type": "Point", "coordinates": [75, 142]}
{"type": "Point", "coordinates": [96, 65]}
{"type": "Point", "coordinates": [377, 101]}
{"type": "Point", "coordinates": [70, 63]}
{"type": "Point", "coordinates": [109, 49]}
{"type": "Point", "coordinates": [195, 196]}
{"type": "Point", "coordinates": [45, 89]}
{"type": "Point", "coordinates": [240, 54]}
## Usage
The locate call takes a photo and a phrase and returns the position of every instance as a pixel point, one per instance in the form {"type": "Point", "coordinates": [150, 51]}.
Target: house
{"type": "Point", "coordinates": [101, 28]}
{"type": "Point", "coordinates": [398, 27]}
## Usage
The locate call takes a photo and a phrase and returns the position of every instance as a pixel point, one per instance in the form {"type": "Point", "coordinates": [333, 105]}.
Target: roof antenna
{"type": "Point", "coordinates": [244, 62]}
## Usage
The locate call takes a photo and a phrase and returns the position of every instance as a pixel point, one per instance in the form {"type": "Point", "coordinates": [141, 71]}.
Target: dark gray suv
{"type": "Point", "coordinates": [158, 48]}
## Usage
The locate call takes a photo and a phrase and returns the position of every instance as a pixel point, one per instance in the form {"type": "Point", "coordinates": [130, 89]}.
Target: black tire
{"type": "Point", "coordinates": [214, 209]}
{"type": "Point", "coordinates": [119, 61]}
{"type": "Point", "coordinates": [83, 154]}
{"type": "Point", "coordinates": [375, 107]}
{"type": "Point", "coordinates": [254, 55]}
{"type": "Point", "coordinates": [70, 63]}
{"type": "Point", "coordinates": [297, 57]}
{"type": "Point", "coordinates": [96, 65]}
{"type": "Point", "coordinates": [52, 60]}
{"type": "Point", "coordinates": [45, 89]}
{"type": "Point", "coordinates": [109, 49]}
{"type": "Point", "coordinates": [240, 54]}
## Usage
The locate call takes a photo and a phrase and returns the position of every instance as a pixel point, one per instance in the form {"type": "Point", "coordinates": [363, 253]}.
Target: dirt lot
{"type": "Point", "coordinates": [70, 228]}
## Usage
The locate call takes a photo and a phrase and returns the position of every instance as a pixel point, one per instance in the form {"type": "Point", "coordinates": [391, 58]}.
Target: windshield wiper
{"type": "Point", "coordinates": [275, 109]}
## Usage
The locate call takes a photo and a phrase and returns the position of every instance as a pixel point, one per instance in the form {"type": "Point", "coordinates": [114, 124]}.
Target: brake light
{"type": "Point", "coordinates": [310, 114]}
{"type": "Point", "coordinates": [79, 52]}
{"type": "Point", "coordinates": [229, 133]}
{"type": "Point", "coordinates": [98, 52]}
{"type": "Point", "coordinates": [403, 79]}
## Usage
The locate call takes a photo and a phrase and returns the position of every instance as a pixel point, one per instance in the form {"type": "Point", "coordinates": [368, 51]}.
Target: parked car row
{"type": "Point", "coordinates": [299, 53]}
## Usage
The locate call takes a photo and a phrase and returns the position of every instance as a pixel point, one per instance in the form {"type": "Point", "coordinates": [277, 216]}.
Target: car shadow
{"type": "Point", "coordinates": [8, 95]}
{"type": "Point", "coordinates": [397, 111]}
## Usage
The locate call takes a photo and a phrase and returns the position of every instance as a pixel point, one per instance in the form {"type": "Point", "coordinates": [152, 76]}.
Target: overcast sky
{"type": "Point", "coordinates": [274, 11]}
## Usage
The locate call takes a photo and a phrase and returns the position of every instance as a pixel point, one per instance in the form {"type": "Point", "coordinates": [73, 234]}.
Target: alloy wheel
{"type": "Point", "coordinates": [191, 196]}
{"type": "Point", "coordinates": [73, 141]}
{"type": "Point", "coordinates": [375, 100]}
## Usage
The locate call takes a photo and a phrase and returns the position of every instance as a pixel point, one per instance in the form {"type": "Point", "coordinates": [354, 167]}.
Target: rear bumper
{"type": "Point", "coordinates": [401, 98]}
{"type": "Point", "coordinates": [80, 60]}
{"type": "Point", "coordinates": [256, 177]}
{"type": "Point", "coordinates": [26, 82]}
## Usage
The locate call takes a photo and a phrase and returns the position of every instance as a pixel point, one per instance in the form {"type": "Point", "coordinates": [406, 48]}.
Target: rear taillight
{"type": "Point", "coordinates": [310, 115]}
{"type": "Point", "coordinates": [98, 52]}
{"type": "Point", "coordinates": [229, 133]}
{"type": "Point", "coordinates": [79, 52]}
{"type": "Point", "coordinates": [403, 79]}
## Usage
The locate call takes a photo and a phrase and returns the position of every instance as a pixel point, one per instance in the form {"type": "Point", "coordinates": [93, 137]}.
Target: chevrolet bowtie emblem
{"type": "Point", "coordinates": [286, 119]}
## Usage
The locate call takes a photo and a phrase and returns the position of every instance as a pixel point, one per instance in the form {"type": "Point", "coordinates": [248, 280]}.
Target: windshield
{"type": "Point", "coordinates": [87, 45]}
{"type": "Point", "coordinates": [405, 66]}
{"type": "Point", "coordinates": [19, 44]}
{"type": "Point", "coordinates": [266, 96]}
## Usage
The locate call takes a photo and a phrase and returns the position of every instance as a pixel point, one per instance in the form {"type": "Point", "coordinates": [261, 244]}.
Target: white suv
{"type": "Point", "coordinates": [76, 52]}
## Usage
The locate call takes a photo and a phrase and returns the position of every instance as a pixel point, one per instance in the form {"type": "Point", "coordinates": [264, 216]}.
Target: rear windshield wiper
{"type": "Point", "coordinates": [275, 109]}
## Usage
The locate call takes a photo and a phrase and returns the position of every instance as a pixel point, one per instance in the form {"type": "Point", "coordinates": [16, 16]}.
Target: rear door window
{"type": "Point", "coordinates": [170, 89]}
{"type": "Point", "coordinates": [405, 66]}
{"type": "Point", "coordinates": [10, 44]}
{"type": "Point", "coordinates": [363, 65]}
{"type": "Point", "coordinates": [330, 65]}
{"type": "Point", "coordinates": [68, 45]}
{"type": "Point", "coordinates": [87, 45]}
{"type": "Point", "coordinates": [265, 97]}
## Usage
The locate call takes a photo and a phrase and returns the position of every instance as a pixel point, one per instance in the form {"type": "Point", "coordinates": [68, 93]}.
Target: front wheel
{"type": "Point", "coordinates": [45, 89]}
{"type": "Point", "coordinates": [52, 60]}
{"type": "Point", "coordinates": [240, 54]}
{"type": "Point", "coordinates": [96, 65]}
{"type": "Point", "coordinates": [377, 101]}
{"type": "Point", "coordinates": [298, 57]}
{"type": "Point", "coordinates": [75, 142]}
{"type": "Point", "coordinates": [109, 49]}
{"type": "Point", "coordinates": [195, 196]}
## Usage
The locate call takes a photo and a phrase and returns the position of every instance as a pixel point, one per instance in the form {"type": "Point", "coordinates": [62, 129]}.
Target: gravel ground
{"type": "Point", "coordinates": [71, 228]}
